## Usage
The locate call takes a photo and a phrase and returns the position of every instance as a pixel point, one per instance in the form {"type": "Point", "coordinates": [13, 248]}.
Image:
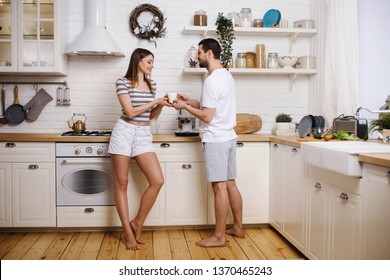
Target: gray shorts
{"type": "Point", "coordinates": [130, 140]}
{"type": "Point", "coordinates": [220, 160]}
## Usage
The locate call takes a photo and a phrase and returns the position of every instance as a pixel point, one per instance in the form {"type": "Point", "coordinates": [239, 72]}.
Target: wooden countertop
{"type": "Point", "coordinates": [381, 159]}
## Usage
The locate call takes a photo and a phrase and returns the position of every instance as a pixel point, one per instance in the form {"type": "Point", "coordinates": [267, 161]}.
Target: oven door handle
{"type": "Point", "coordinates": [68, 161]}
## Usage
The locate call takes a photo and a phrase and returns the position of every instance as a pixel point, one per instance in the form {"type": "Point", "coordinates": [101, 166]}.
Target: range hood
{"type": "Point", "coordinates": [94, 40]}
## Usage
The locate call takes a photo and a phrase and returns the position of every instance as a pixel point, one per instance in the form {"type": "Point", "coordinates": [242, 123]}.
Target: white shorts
{"type": "Point", "coordinates": [130, 140]}
{"type": "Point", "coordinates": [220, 160]}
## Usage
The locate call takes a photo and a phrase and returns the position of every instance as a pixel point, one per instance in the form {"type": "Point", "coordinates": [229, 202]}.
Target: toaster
{"type": "Point", "coordinates": [352, 125]}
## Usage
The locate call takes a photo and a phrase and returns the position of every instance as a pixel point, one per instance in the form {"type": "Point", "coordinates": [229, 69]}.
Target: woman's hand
{"type": "Point", "coordinates": [163, 101]}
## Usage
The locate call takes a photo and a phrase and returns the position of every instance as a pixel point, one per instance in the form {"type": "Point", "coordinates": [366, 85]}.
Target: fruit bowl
{"type": "Point", "coordinates": [288, 61]}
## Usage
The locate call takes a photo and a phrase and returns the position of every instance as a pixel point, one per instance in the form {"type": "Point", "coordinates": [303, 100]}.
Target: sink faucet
{"type": "Point", "coordinates": [371, 111]}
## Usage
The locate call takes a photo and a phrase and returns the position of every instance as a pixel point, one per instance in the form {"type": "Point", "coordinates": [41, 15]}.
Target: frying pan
{"type": "Point", "coordinates": [3, 118]}
{"type": "Point", "coordinates": [15, 113]}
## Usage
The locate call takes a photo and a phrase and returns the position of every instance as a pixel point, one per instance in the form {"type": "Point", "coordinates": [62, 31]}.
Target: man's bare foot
{"type": "Point", "coordinates": [130, 242]}
{"type": "Point", "coordinates": [137, 232]}
{"type": "Point", "coordinates": [212, 242]}
{"type": "Point", "coordinates": [236, 232]}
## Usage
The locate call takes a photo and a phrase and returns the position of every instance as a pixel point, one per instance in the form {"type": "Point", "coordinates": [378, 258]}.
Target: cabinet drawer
{"type": "Point", "coordinates": [93, 216]}
{"type": "Point", "coordinates": [27, 152]}
{"type": "Point", "coordinates": [178, 152]}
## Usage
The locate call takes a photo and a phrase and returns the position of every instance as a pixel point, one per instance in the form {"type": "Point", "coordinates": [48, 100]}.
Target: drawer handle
{"type": "Point", "coordinates": [186, 166]}
{"type": "Point", "coordinates": [294, 150]}
{"type": "Point", "coordinates": [89, 210]}
{"type": "Point", "coordinates": [388, 174]}
{"type": "Point", "coordinates": [317, 185]}
{"type": "Point", "coordinates": [10, 145]}
{"type": "Point", "coordinates": [344, 196]}
{"type": "Point", "coordinates": [165, 145]}
{"type": "Point", "coordinates": [239, 144]}
{"type": "Point", "coordinates": [275, 145]}
{"type": "Point", "coordinates": [33, 166]}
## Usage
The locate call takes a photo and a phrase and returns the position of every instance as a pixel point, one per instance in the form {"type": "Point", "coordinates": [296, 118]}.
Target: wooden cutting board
{"type": "Point", "coordinates": [247, 123]}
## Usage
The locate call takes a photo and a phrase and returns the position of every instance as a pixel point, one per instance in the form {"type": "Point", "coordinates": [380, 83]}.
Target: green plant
{"type": "Point", "coordinates": [225, 32]}
{"type": "Point", "coordinates": [379, 124]}
{"type": "Point", "coordinates": [282, 117]}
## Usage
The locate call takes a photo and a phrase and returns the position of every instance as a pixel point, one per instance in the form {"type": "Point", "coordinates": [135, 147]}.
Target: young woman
{"type": "Point", "coordinates": [131, 139]}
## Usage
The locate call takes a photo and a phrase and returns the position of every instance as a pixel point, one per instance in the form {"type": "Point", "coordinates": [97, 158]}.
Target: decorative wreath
{"type": "Point", "coordinates": [155, 29]}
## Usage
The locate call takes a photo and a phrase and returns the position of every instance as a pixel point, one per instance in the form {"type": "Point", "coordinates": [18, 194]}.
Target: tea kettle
{"type": "Point", "coordinates": [79, 125]}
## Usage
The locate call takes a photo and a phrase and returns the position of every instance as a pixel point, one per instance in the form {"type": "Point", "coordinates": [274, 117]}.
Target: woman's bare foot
{"type": "Point", "coordinates": [212, 242]}
{"type": "Point", "coordinates": [236, 232]}
{"type": "Point", "coordinates": [130, 241]}
{"type": "Point", "coordinates": [137, 232]}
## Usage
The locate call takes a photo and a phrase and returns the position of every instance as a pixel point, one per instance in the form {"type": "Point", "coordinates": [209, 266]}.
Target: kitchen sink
{"type": "Point", "coordinates": [340, 156]}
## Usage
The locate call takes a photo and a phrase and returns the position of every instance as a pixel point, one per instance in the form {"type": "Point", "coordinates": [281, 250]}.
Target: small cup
{"type": "Point", "coordinates": [172, 96]}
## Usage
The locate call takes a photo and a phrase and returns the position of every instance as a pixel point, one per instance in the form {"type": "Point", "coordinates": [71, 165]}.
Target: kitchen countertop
{"type": "Point", "coordinates": [381, 159]}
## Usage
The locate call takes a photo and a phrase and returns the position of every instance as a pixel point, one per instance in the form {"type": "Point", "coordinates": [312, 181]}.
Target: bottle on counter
{"type": "Point", "coordinates": [200, 18]}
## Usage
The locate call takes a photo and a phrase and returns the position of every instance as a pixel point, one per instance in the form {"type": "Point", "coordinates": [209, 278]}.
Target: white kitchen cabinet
{"type": "Point", "coordinates": [31, 183]}
{"type": "Point", "coordinates": [33, 37]}
{"type": "Point", "coordinates": [376, 212]}
{"type": "Point", "coordinates": [5, 195]}
{"type": "Point", "coordinates": [252, 181]}
{"type": "Point", "coordinates": [185, 183]}
{"type": "Point", "coordinates": [334, 216]}
{"type": "Point", "coordinates": [186, 193]}
{"type": "Point", "coordinates": [288, 193]}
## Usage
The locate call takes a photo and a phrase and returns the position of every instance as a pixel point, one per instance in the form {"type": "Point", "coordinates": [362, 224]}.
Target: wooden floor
{"type": "Point", "coordinates": [260, 243]}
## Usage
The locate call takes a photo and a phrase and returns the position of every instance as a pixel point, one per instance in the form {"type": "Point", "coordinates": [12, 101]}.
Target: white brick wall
{"type": "Point", "coordinates": [91, 79]}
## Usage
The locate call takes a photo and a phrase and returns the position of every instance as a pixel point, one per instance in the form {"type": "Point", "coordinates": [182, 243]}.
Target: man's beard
{"type": "Point", "coordinates": [203, 64]}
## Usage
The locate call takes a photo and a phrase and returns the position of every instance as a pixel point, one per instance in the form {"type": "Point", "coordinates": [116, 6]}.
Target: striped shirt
{"type": "Point", "coordinates": [138, 98]}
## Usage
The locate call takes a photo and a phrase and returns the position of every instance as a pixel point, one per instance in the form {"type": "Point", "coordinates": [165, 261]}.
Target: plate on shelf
{"type": "Point", "coordinates": [304, 126]}
{"type": "Point", "coordinates": [271, 18]}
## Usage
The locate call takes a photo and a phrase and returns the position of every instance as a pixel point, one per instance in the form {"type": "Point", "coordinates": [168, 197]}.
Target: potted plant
{"type": "Point", "coordinates": [283, 121]}
{"type": "Point", "coordinates": [225, 32]}
{"type": "Point", "coordinates": [382, 124]}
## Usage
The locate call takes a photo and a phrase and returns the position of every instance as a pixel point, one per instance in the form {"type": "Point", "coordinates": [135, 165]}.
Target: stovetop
{"type": "Point", "coordinates": [87, 133]}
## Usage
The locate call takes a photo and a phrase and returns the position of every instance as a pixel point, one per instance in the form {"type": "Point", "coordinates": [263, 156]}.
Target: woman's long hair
{"type": "Point", "coordinates": [132, 70]}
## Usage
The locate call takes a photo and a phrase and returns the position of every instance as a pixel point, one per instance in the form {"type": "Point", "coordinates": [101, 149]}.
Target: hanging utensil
{"type": "Point", "coordinates": [3, 118]}
{"type": "Point", "coordinates": [15, 113]}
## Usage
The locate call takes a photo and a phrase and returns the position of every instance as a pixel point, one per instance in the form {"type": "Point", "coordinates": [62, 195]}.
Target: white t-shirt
{"type": "Point", "coordinates": [219, 93]}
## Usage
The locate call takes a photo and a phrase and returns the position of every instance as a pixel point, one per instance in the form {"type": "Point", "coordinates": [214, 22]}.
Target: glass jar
{"type": "Point", "coordinates": [200, 18]}
{"type": "Point", "coordinates": [192, 61]}
{"type": "Point", "coordinates": [272, 61]}
{"type": "Point", "coordinates": [258, 22]}
{"type": "Point", "coordinates": [235, 18]}
{"type": "Point", "coordinates": [241, 60]}
{"type": "Point", "coordinates": [246, 17]}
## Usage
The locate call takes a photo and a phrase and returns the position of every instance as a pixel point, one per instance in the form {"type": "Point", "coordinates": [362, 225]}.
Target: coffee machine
{"type": "Point", "coordinates": [186, 124]}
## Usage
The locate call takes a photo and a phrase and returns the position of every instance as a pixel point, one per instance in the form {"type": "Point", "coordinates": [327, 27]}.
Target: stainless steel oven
{"type": "Point", "coordinates": [84, 174]}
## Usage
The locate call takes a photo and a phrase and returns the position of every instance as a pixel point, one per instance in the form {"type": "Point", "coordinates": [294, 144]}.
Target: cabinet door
{"type": "Point", "coordinates": [294, 197]}
{"type": "Point", "coordinates": [275, 186]}
{"type": "Point", "coordinates": [252, 181]}
{"type": "Point", "coordinates": [186, 193]}
{"type": "Point", "coordinates": [8, 36]}
{"type": "Point", "coordinates": [33, 194]}
{"type": "Point", "coordinates": [318, 209]}
{"type": "Point", "coordinates": [377, 212]}
{"type": "Point", "coordinates": [5, 195]}
{"type": "Point", "coordinates": [135, 189]}
{"type": "Point", "coordinates": [345, 225]}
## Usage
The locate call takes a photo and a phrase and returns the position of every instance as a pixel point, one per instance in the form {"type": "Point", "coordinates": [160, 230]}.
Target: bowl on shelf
{"type": "Point", "coordinates": [288, 61]}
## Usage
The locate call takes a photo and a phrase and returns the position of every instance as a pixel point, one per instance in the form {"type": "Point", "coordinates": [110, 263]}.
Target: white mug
{"type": "Point", "coordinates": [172, 96]}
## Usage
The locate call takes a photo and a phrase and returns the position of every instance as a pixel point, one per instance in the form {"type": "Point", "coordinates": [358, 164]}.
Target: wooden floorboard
{"type": "Point", "coordinates": [259, 243]}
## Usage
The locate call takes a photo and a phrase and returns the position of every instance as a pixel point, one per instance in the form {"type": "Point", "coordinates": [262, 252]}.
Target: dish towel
{"type": "Point", "coordinates": [35, 106]}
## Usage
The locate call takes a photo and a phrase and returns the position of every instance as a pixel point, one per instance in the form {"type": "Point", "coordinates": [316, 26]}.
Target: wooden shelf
{"type": "Point", "coordinates": [255, 31]}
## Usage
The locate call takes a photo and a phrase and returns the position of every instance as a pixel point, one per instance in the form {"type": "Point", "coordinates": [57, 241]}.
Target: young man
{"type": "Point", "coordinates": [216, 111]}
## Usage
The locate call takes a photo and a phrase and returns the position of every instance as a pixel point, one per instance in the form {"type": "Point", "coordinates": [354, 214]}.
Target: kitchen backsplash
{"type": "Point", "coordinates": [91, 79]}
